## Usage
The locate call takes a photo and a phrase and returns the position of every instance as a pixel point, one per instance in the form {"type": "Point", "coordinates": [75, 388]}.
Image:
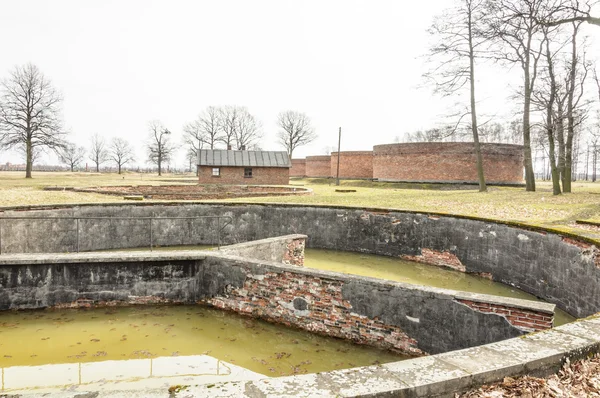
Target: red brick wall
{"type": "Point", "coordinates": [271, 296]}
{"type": "Point", "coordinates": [235, 175]}
{"type": "Point", "coordinates": [447, 161]}
{"type": "Point", "coordinates": [524, 319]}
{"type": "Point", "coordinates": [318, 166]}
{"type": "Point", "coordinates": [354, 164]}
{"type": "Point", "coordinates": [298, 168]}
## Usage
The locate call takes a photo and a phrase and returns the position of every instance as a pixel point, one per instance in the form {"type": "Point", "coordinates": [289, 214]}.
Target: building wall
{"type": "Point", "coordinates": [235, 175]}
{"type": "Point", "coordinates": [447, 162]}
{"type": "Point", "coordinates": [298, 168]}
{"type": "Point", "coordinates": [318, 166]}
{"type": "Point", "coordinates": [353, 164]}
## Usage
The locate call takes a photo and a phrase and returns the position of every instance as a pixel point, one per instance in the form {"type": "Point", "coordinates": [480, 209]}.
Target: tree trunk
{"type": "Point", "coordinates": [29, 159]}
{"type": "Point", "coordinates": [570, 115]}
{"type": "Point", "coordinates": [528, 162]}
{"type": "Point", "coordinates": [480, 174]}
{"type": "Point", "coordinates": [119, 167]}
{"type": "Point", "coordinates": [159, 164]}
{"type": "Point", "coordinates": [595, 158]}
{"type": "Point", "coordinates": [550, 125]}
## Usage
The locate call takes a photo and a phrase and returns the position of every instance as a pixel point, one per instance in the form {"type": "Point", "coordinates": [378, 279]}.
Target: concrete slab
{"type": "Point", "coordinates": [428, 376]}
{"type": "Point", "coordinates": [364, 381]}
{"type": "Point", "coordinates": [588, 328]}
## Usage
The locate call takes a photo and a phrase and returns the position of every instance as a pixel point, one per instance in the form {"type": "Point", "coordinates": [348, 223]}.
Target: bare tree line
{"type": "Point", "coordinates": [542, 38]}
{"type": "Point", "coordinates": [234, 127]}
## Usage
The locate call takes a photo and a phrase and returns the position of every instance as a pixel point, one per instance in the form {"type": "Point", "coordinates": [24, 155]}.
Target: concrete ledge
{"type": "Point", "coordinates": [440, 375]}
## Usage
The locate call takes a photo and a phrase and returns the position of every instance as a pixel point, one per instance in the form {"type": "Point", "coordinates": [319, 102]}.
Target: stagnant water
{"type": "Point", "coordinates": [420, 274]}
{"type": "Point", "coordinates": [158, 346]}
{"type": "Point", "coordinates": [41, 337]}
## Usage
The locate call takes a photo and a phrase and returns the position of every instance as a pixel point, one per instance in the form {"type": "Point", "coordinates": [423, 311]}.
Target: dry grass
{"type": "Point", "coordinates": [15, 190]}
{"type": "Point", "coordinates": [539, 208]}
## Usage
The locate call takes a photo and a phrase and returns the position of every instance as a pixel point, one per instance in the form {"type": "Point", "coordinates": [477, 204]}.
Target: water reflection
{"type": "Point", "coordinates": [126, 374]}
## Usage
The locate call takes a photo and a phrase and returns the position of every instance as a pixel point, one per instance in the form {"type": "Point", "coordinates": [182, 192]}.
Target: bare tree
{"type": "Point", "coordinates": [36, 154]}
{"type": "Point", "coordinates": [120, 152]}
{"type": "Point", "coordinates": [72, 155]}
{"type": "Point", "coordinates": [546, 96]}
{"type": "Point", "coordinates": [30, 113]}
{"type": "Point", "coordinates": [575, 81]}
{"type": "Point", "coordinates": [295, 130]}
{"type": "Point", "coordinates": [159, 147]}
{"type": "Point", "coordinates": [227, 124]}
{"type": "Point", "coordinates": [569, 11]}
{"type": "Point", "coordinates": [458, 45]}
{"type": "Point", "coordinates": [435, 134]}
{"type": "Point", "coordinates": [98, 151]}
{"type": "Point", "coordinates": [204, 131]}
{"type": "Point", "coordinates": [239, 128]}
{"type": "Point", "coordinates": [515, 24]}
{"type": "Point", "coordinates": [191, 156]}
{"type": "Point", "coordinates": [248, 129]}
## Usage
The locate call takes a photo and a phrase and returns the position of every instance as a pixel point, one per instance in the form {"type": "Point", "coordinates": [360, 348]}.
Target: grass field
{"type": "Point", "coordinates": [539, 208]}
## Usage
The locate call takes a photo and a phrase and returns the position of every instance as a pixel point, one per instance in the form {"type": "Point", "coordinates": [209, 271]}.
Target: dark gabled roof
{"type": "Point", "coordinates": [222, 157]}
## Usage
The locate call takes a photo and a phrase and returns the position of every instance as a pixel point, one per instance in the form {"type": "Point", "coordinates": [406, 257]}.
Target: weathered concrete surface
{"type": "Point", "coordinates": [546, 265]}
{"type": "Point", "coordinates": [287, 249]}
{"type": "Point", "coordinates": [37, 285]}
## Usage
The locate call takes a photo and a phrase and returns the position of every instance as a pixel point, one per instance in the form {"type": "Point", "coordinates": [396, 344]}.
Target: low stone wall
{"type": "Point", "coordinates": [559, 269]}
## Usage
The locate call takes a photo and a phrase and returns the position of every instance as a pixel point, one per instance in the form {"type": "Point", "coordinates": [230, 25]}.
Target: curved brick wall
{"type": "Point", "coordinates": [318, 166]}
{"type": "Point", "coordinates": [298, 168]}
{"type": "Point", "coordinates": [447, 162]}
{"type": "Point", "coordinates": [353, 164]}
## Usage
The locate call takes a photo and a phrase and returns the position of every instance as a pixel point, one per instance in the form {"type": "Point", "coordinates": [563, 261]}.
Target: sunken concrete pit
{"type": "Point", "coordinates": [412, 319]}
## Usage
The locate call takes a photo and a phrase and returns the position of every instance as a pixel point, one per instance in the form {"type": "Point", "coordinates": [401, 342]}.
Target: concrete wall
{"type": "Point", "coordinates": [406, 318]}
{"type": "Point", "coordinates": [353, 164]}
{"type": "Point", "coordinates": [235, 175]}
{"type": "Point", "coordinates": [298, 168]}
{"type": "Point", "coordinates": [556, 268]}
{"type": "Point", "coordinates": [318, 166]}
{"type": "Point", "coordinates": [287, 249]}
{"type": "Point", "coordinates": [447, 162]}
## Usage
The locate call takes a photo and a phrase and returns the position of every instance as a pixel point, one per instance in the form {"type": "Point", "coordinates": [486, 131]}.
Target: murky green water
{"type": "Point", "coordinates": [166, 345]}
{"type": "Point", "coordinates": [121, 333]}
{"type": "Point", "coordinates": [411, 272]}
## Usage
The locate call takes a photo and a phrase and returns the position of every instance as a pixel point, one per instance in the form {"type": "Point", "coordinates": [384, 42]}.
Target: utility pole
{"type": "Point", "coordinates": [337, 180]}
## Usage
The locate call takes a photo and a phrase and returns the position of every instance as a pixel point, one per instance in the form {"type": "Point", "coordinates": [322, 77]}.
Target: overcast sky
{"type": "Point", "coordinates": [354, 64]}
